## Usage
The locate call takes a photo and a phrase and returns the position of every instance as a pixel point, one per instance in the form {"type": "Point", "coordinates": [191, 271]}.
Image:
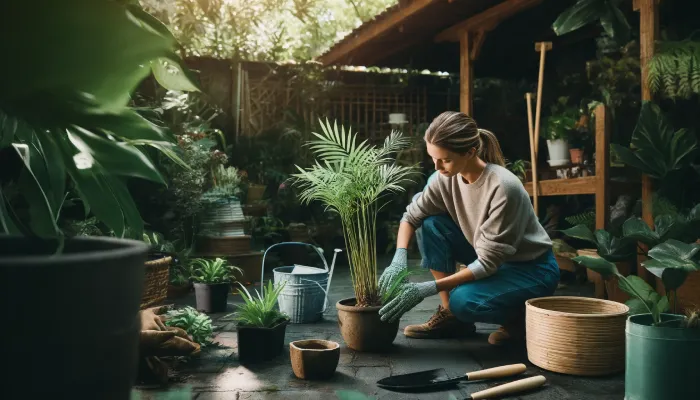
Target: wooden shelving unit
{"type": "Point", "coordinates": [597, 184]}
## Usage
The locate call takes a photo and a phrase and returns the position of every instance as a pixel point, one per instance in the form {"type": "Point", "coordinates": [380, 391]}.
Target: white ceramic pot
{"type": "Point", "coordinates": [558, 151]}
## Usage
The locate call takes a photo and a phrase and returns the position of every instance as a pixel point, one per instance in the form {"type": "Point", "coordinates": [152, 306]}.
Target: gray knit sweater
{"type": "Point", "coordinates": [494, 213]}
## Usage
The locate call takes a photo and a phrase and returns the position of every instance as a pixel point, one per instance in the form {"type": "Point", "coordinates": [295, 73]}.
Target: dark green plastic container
{"type": "Point", "coordinates": [663, 363]}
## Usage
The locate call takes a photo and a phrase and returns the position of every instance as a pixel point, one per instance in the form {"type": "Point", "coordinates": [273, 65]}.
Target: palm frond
{"type": "Point", "coordinates": [352, 178]}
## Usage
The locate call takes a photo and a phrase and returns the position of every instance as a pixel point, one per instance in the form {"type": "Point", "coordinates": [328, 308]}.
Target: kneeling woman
{"type": "Point", "coordinates": [477, 213]}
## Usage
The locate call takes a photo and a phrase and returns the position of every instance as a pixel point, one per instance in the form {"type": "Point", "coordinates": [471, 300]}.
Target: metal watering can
{"type": "Point", "coordinates": [304, 298]}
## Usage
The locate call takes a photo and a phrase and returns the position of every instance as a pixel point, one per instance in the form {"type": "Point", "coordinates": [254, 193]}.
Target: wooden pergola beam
{"type": "Point", "coordinates": [486, 20]}
{"type": "Point", "coordinates": [380, 27]}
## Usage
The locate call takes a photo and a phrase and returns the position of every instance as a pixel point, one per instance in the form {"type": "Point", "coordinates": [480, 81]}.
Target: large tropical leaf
{"type": "Point", "coordinates": [598, 264]}
{"type": "Point", "coordinates": [658, 149]}
{"type": "Point", "coordinates": [581, 232]}
{"type": "Point", "coordinates": [88, 46]}
{"type": "Point", "coordinates": [586, 12]}
{"type": "Point", "coordinates": [63, 104]}
{"type": "Point", "coordinates": [676, 254]}
{"type": "Point", "coordinates": [636, 229]}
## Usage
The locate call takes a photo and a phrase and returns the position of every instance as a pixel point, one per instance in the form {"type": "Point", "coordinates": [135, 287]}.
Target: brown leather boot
{"type": "Point", "coordinates": [442, 325]}
{"type": "Point", "coordinates": [509, 333]}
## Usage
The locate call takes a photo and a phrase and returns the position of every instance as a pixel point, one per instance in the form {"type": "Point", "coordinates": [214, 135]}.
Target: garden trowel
{"type": "Point", "coordinates": [437, 378]}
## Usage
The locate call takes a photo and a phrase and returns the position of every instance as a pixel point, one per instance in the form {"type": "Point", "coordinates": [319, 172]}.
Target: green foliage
{"type": "Point", "coordinates": [586, 12]}
{"type": "Point", "coordinates": [518, 168]}
{"type": "Point", "coordinates": [586, 218]}
{"type": "Point", "coordinates": [71, 119]}
{"type": "Point", "coordinates": [658, 149]}
{"type": "Point", "coordinates": [667, 226]}
{"type": "Point", "coordinates": [265, 30]}
{"type": "Point", "coordinates": [676, 258]}
{"type": "Point", "coordinates": [196, 324]}
{"type": "Point", "coordinates": [352, 179]}
{"type": "Point", "coordinates": [260, 311]}
{"type": "Point", "coordinates": [615, 79]}
{"type": "Point", "coordinates": [213, 271]}
{"type": "Point", "coordinates": [609, 247]}
{"type": "Point", "coordinates": [674, 70]}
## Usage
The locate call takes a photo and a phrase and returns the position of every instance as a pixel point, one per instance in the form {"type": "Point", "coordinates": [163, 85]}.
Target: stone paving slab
{"type": "Point", "coordinates": [218, 375]}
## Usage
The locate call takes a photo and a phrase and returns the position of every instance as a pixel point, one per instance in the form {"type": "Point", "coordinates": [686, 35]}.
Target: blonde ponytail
{"type": "Point", "coordinates": [490, 149]}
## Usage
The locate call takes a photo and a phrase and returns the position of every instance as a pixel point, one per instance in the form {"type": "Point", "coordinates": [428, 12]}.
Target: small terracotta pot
{"type": "Point", "coordinates": [314, 359]}
{"type": "Point", "coordinates": [576, 156]}
{"type": "Point", "coordinates": [362, 329]}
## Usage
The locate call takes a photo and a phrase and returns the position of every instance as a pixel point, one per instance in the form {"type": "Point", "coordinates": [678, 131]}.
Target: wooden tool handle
{"type": "Point", "coordinates": [511, 387]}
{"type": "Point", "coordinates": [497, 372]}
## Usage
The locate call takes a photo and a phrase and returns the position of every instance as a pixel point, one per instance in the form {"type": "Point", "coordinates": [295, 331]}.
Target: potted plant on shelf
{"type": "Point", "coordinates": [351, 179]}
{"type": "Point", "coordinates": [557, 131]}
{"type": "Point", "coordinates": [662, 347]}
{"type": "Point", "coordinates": [261, 326]}
{"type": "Point", "coordinates": [212, 282]}
{"type": "Point", "coordinates": [69, 125]}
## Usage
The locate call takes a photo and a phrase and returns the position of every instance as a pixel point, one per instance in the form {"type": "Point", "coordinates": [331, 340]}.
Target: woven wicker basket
{"type": "Point", "coordinates": [576, 335]}
{"type": "Point", "coordinates": [155, 285]}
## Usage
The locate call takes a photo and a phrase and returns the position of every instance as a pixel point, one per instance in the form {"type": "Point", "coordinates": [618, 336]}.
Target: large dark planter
{"type": "Point", "coordinates": [661, 362]}
{"type": "Point", "coordinates": [70, 322]}
{"type": "Point", "coordinates": [211, 298]}
{"type": "Point", "coordinates": [260, 344]}
{"type": "Point", "coordinates": [362, 328]}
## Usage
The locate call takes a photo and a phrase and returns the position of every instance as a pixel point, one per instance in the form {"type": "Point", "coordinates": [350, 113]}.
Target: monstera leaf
{"type": "Point", "coordinates": [64, 107]}
{"type": "Point", "coordinates": [586, 12]}
{"type": "Point", "coordinates": [657, 149]}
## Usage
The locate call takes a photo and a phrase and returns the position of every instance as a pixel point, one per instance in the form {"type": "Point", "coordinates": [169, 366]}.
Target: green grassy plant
{"type": "Point", "coordinates": [260, 310]}
{"type": "Point", "coordinates": [352, 179]}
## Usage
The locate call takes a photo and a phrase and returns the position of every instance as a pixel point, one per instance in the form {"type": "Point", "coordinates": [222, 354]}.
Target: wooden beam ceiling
{"type": "Point", "coordinates": [486, 20]}
{"type": "Point", "coordinates": [379, 28]}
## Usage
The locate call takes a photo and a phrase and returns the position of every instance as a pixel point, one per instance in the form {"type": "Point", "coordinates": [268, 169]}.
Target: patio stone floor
{"type": "Point", "coordinates": [218, 375]}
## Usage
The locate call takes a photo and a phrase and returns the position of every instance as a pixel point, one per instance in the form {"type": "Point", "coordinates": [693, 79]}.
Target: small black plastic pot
{"type": "Point", "coordinates": [211, 298]}
{"type": "Point", "coordinates": [257, 344]}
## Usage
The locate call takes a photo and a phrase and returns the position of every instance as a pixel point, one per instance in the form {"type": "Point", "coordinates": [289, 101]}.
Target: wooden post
{"type": "Point", "coordinates": [542, 47]}
{"type": "Point", "coordinates": [648, 32]}
{"type": "Point", "coordinates": [533, 154]}
{"type": "Point", "coordinates": [466, 78]}
{"type": "Point", "coordinates": [602, 171]}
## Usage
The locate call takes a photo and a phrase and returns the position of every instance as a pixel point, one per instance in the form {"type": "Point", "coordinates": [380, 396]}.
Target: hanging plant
{"type": "Point", "coordinates": [586, 12]}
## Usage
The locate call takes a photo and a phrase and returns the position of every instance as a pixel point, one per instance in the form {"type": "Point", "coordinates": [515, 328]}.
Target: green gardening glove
{"type": "Point", "coordinates": [398, 264]}
{"type": "Point", "coordinates": [408, 297]}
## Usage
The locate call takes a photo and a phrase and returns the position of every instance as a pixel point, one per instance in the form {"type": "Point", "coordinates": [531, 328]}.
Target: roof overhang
{"type": "Point", "coordinates": [411, 22]}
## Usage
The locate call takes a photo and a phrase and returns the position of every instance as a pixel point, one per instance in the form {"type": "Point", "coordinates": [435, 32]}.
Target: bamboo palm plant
{"type": "Point", "coordinates": [353, 179]}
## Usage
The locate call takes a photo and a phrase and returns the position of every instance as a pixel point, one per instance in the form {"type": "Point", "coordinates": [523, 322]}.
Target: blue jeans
{"type": "Point", "coordinates": [498, 299]}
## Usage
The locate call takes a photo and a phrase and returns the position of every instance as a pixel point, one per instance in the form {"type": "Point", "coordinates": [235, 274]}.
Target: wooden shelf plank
{"type": "Point", "coordinates": [563, 187]}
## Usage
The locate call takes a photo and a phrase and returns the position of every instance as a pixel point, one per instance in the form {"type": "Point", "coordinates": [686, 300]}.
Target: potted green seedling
{"type": "Point", "coordinates": [212, 282]}
{"type": "Point", "coordinates": [662, 346]}
{"type": "Point", "coordinates": [353, 179]}
{"type": "Point", "coordinates": [261, 326]}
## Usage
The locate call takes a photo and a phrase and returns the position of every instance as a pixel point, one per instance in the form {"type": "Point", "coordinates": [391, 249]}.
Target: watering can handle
{"type": "Point", "coordinates": [320, 254]}
{"type": "Point", "coordinates": [325, 292]}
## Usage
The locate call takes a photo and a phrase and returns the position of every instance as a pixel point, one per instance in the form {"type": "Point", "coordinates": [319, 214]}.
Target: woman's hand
{"type": "Point", "coordinates": [397, 266]}
{"type": "Point", "coordinates": [408, 297]}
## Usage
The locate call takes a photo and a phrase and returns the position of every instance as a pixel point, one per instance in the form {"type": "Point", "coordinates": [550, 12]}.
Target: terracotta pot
{"type": "Point", "coordinates": [362, 329]}
{"type": "Point", "coordinates": [565, 263]}
{"type": "Point", "coordinates": [314, 359]}
{"type": "Point", "coordinates": [576, 156]}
